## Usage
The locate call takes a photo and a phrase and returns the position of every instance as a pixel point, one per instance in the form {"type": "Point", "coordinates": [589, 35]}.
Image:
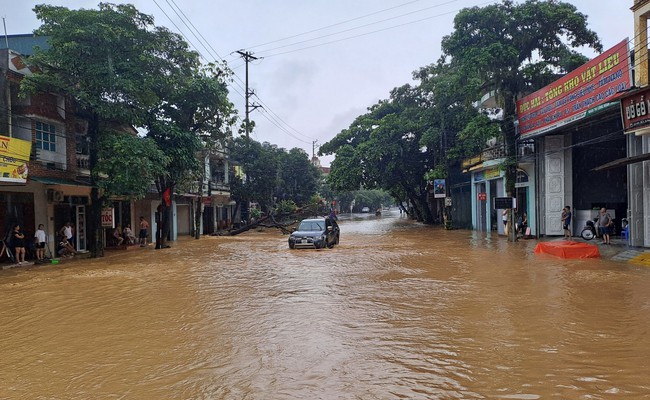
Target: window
{"type": "Point", "coordinates": [83, 145]}
{"type": "Point", "coordinates": [45, 136]}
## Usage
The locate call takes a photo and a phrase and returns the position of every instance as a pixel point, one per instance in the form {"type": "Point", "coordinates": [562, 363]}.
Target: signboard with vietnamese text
{"type": "Point", "coordinates": [635, 110]}
{"type": "Point", "coordinates": [487, 174]}
{"type": "Point", "coordinates": [503, 203]}
{"type": "Point", "coordinates": [482, 196]}
{"type": "Point", "coordinates": [14, 159]}
{"type": "Point", "coordinates": [595, 84]}
{"type": "Point", "coordinates": [108, 218]}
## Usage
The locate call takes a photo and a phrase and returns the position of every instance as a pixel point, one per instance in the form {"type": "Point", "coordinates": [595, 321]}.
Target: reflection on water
{"type": "Point", "coordinates": [397, 310]}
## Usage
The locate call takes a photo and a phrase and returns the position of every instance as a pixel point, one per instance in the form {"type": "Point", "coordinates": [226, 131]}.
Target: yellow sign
{"type": "Point", "coordinates": [14, 159]}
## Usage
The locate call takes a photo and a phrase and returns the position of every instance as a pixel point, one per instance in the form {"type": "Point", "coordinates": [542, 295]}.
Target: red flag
{"type": "Point", "coordinates": [167, 196]}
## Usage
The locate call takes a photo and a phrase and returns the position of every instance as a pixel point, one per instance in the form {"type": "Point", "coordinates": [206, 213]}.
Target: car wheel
{"type": "Point", "coordinates": [292, 246]}
{"type": "Point", "coordinates": [316, 245]}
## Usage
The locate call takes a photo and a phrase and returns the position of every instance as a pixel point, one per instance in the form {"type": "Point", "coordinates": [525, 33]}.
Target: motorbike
{"type": "Point", "coordinates": [590, 230]}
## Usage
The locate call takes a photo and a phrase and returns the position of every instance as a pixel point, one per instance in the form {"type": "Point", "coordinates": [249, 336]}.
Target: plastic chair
{"type": "Point", "coordinates": [625, 233]}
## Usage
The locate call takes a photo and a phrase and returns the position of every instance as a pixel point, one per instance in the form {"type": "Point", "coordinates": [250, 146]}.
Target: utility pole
{"type": "Point", "coordinates": [248, 57]}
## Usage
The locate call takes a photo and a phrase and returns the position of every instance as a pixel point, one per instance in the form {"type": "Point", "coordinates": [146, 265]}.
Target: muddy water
{"type": "Point", "coordinates": [396, 311]}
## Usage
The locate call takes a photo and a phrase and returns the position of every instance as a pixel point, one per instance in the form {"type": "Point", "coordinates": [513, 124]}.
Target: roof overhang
{"type": "Point", "coordinates": [58, 181]}
{"type": "Point", "coordinates": [622, 162]}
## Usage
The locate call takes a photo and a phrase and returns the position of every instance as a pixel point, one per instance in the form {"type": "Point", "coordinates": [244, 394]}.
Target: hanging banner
{"type": "Point", "coordinates": [589, 88]}
{"type": "Point", "coordinates": [14, 159]}
{"type": "Point", "coordinates": [439, 189]}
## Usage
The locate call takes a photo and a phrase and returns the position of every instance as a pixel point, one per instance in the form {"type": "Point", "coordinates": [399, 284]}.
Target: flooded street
{"type": "Point", "coordinates": [396, 311]}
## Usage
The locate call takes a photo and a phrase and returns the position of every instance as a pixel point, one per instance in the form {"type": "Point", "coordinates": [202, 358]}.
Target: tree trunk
{"type": "Point", "coordinates": [510, 138]}
{"type": "Point", "coordinates": [198, 216]}
{"type": "Point", "coordinates": [94, 223]}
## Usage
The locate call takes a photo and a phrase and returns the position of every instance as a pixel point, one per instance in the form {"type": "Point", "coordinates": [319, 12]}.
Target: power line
{"type": "Point", "coordinates": [359, 27]}
{"type": "Point", "coordinates": [370, 33]}
{"type": "Point", "coordinates": [333, 25]}
{"type": "Point", "coordinates": [247, 92]}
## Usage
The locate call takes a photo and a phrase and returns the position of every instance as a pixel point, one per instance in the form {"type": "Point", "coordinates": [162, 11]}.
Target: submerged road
{"type": "Point", "coordinates": [396, 311]}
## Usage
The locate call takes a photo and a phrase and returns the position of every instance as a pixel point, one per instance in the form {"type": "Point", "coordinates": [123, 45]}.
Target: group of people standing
{"type": "Point", "coordinates": [604, 222]}
{"type": "Point", "coordinates": [17, 240]}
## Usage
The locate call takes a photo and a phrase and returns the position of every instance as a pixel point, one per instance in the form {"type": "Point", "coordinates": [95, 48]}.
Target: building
{"type": "Point", "coordinates": [566, 132]}
{"type": "Point", "coordinates": [44, 141]}
{"type": "Point", "coordinates": [636, 125]}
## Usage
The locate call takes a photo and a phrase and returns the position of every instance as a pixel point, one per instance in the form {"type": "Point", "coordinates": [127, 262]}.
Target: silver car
{"type": "Point", "coordinates": [315, 233]}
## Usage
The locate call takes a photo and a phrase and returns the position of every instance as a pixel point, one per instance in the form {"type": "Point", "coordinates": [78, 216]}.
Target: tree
{"type": "Point", "coordinates": [107, 62]}
{"type": "Point", "coordinates": [271, 174]}
{"type": "Point", "coordinates": [129, 163]}
{"type": "Point", "coordinates": [193, 119]}
{"type": "Point", "coordinates": [117, 66]}
{"type": "Point", "coordinates": [260, 166]}
{"type": "Point", "coordinates": [382, 150]}
{"type": "Point", "coordinates": [298, 177]}
{"type": "Point", "coordinates": [513, 49]}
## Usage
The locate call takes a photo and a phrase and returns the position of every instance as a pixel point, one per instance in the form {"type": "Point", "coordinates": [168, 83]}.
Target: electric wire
{"type": "Point", "coordinates": [189, 41]}
{"type": "Point", "coordinates": [351, 20]}
{"type": "Point", "coordinates": [366, 33]}
{"type": "Point", "coordinates": [357, 27]}
{"type": "Point", "coordinates": [205, 44]}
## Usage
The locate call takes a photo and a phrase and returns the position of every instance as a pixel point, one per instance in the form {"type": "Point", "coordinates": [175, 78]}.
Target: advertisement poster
{"type": "Point", "coordinates": [439, 189]}
{"type": "Point", "coordinates": [108, 218]}
{"type": "Point", "coordinates": [584, 91]}
{"type": "Point", "coordinates": [14, 159]}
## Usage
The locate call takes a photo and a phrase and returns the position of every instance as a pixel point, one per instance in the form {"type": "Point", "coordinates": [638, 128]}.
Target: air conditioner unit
{"type": "Point", "coordinates": [54, 196]}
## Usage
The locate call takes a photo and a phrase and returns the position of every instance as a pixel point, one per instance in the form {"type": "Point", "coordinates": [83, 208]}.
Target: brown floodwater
{"type": "Point", "coordinates": [396, 311]}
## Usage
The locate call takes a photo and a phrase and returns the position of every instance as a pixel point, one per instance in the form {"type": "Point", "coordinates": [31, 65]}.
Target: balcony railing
{"type": "Point", "coordinates": [83, 161]}
{"type": "Point", "coordinates": [220, 186]}
{"type": "Point", "coordinates": [490, 153]}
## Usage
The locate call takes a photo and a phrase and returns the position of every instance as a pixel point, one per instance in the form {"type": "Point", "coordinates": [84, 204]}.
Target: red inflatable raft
{"type": "Point", "coordinates": [568, 249]}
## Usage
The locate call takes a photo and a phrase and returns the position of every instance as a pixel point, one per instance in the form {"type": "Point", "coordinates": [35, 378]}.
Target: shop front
{"type": "Point", "coordinates": [487, 183]}
{"type": "Point", "coordinates": [576, 127]}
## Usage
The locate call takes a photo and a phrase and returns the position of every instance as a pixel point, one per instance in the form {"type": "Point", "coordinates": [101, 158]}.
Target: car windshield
{"type": "Point", "coordinates": [312, 226]}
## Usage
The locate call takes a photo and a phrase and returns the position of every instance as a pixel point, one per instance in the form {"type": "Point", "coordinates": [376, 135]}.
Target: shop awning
{"type": "Point", "coordinates": [57, 181]}
{"type": "Point", "coordinates": [621, 162]}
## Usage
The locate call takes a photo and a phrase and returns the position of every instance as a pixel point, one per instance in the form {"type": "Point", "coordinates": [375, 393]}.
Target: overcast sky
{"type": "Point", "coordinates": [321, 62]}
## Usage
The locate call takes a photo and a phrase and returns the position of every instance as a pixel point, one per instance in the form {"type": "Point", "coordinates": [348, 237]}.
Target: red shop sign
{"type": "Point", "coordinates": [588, 89]}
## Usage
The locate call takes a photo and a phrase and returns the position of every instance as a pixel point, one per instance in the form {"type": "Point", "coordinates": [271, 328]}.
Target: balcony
{"type": "Point", "coordinates": [219, 186]}
{"type": "Point", "coordinates": [83, 162]}
{"type": "Point", "coordinates": [488, 154]}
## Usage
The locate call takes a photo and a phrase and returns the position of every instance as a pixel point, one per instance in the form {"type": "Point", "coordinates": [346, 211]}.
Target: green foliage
{"type": "Point", "coordinates": [383, 149]}
{"type": "Point", "coordinates": [514, 49]}
{"type": "Point", "coordinates": [473, 137]}
{"type": "Point", "coordinates": [439, 172]}
{"type": "Point", "coordinates": [255, 213]}
{"type": "Point", "coordinates": [131, 162]}
{"type": "Point", "coordinates": [271, 173]}
{"type": "Point", "coordinates": [286, 207]}
{"type": "Point", "coordinates": [105, 60]}
{"type": "Point", "coordinates": [299, 178]}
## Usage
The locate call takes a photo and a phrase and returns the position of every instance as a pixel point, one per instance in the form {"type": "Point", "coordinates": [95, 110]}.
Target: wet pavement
{"type": "Point", "coordinates": [397, 310]}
